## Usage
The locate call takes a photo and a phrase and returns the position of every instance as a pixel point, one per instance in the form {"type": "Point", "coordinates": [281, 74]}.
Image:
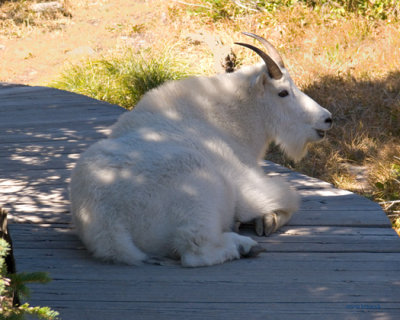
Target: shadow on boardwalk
{"type": "Point", "coordinates": [43, 132]}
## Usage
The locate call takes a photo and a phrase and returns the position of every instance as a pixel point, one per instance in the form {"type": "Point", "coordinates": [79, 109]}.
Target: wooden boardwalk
{"type": "Point", "coordinates": [338, 259]}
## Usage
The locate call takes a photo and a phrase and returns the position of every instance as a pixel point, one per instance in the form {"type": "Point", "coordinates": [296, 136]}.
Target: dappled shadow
{"type": "Point", "coordinates": [43, 131]}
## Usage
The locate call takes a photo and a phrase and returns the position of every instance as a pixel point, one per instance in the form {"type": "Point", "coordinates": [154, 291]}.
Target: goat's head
{"type": "Point", "coordinates": [296, 118]}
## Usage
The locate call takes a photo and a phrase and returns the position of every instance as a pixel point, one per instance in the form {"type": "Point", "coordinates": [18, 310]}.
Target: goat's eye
{"type": "Point", "coordinates": [283, 93]}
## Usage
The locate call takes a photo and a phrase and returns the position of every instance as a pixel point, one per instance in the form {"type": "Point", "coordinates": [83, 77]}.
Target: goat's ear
{"type": "Point", "coordinates": [262, 81]}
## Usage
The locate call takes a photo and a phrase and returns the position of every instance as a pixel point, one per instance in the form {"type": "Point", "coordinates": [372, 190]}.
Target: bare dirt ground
{"type": "Point", "coordinates": [34, 55]}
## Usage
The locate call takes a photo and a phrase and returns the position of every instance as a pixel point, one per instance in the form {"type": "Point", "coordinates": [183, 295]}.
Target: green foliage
{"type": "Point", "coordinates": [396, 224]}
{"type": "Point", "coordinates": [273, 5]}
{"type": "Point", "coordinates": [10, 284]}
{"type": "Point", "coordinates": [19, 281]}
{"type": "Point", "coordinates": [4, 249]}
{"type": "Point", "coordinates": [228, 9]}
{"type": "Point", "coordinates": [121, 80]}
{"type": "Point", "coordinates": [387, 188]}
{"type": "Point", "coordinates": [373, 9]}
{"type": "Point", "coordinates": [218, 9]}
{"type": "Point", "coordinates": [19, 313]}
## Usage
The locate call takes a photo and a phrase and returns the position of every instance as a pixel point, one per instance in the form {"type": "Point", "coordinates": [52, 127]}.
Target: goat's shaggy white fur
{"type": "Point", "coordinates": [179, 170]}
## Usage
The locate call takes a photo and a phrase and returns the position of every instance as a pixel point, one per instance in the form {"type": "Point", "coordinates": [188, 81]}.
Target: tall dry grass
{"type": "Point", "coordinates": [17, 18]}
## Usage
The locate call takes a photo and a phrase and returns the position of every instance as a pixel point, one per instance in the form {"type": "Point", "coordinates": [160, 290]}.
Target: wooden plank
{"type": "Point", "coordinates": [34, 178]}
{"type": "Point", "coordinates": [35, 212]}
{"type": "Point", "coordinates": [350, 201]}
{"type": "Point", "coordinates": [48, 132]}
{"type": "Point", "coordinates": [37, 208]}
{"type": "Point", "coordinates": [56, 110]}
{"type": "Point", "coordinates": [21, 162]}
{"type": "Point", "coordinates": [43, 148]}
{"type": "Point", "coordinates": [14, 143]}
{"type": "Point", "coordinates": [289, 239]}
{"type": "Point", "coordinates": [286, 234]}
{"type": "Point", "coordinates": [16, 90]}
{"type": "Point", "coordinates": [66, 263]}
{"type": "Point", "coordinates": [233, 311]}
{"type": "Point", "coordinates": [279, 273]}
{"type": "Point", "coordinates": [356, 218]}
{"type": "Point", "coordinates": [58, 118]}
{"type": "Point", "coordinates": [37, 197]}
{"type": "Point", "coordinates": [308, 271]}
{"type": "Point", "coordinates": [48, 230]}
{"type": "Point", "coordinates": [20, 97]}
{"type": "Point", "coordinates": [38, 200]}
{"type": "Point", "coordinates": [261, 290]}
{"type": "Point", "coordinates": [59, 100]}
{"type": "Point", "coordinates": [10, 105]}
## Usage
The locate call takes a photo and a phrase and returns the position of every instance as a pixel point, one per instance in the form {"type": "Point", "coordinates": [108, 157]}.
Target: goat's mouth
{"type": "Point", "coordinates": [320, 133]}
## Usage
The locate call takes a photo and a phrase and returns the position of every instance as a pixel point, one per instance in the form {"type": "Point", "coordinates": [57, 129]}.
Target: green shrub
{"type": "Point", "coordinates": [222, 9]}
{"type": "Point", "coordinates": [121, 80]}
{"type": "Point", "coordinates": [228, 9]}
{"type": "Point", "coordinates": [375, 9]}
{"type": "Point", "coordinates": [12, 284]}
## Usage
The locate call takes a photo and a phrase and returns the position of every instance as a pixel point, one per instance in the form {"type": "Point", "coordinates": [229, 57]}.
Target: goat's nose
{"type": "Point", "coordinates": [329, 121]}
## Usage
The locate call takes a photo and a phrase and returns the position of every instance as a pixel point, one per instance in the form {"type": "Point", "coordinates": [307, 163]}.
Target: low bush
{"type": "Point", "coordinates": [230, 9]}
{"type": "Point", "coordinates": [121, 79]}
{"type": "Point", "coordinates": [15, 284]}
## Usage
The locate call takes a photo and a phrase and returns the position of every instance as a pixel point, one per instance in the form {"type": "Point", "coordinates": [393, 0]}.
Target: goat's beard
{"type": "Point", "coordinates": [295, 150]}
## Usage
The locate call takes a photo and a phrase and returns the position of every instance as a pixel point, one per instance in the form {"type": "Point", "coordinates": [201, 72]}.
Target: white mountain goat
{"type": "Point", "coordinates": [179, 170]}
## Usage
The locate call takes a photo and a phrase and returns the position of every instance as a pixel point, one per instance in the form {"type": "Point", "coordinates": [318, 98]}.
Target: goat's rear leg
{"type": "Point", "coordinates": [271, 222]}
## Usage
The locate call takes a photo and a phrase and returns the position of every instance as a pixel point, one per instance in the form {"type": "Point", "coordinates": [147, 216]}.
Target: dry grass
{"type": "Point", "coordinates": [17, 17]}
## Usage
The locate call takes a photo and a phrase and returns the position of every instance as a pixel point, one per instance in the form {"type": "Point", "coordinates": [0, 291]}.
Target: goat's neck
{"type": "Point", "coordinates": [245, 125]}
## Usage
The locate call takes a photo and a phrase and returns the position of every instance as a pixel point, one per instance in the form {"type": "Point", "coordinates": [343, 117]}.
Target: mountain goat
{"type": "Point", "coordinates": [179, 170]}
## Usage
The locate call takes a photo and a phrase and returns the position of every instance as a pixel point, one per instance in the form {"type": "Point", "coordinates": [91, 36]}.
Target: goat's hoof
{"type": "Point", "coordinates": [160, 261]}
{"type": "Point", "coordinates": [253, 252]}
{"type": "Point", "coordinates": [265, 226]}
{"type": "Point", "coordinates": [270, 223]}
